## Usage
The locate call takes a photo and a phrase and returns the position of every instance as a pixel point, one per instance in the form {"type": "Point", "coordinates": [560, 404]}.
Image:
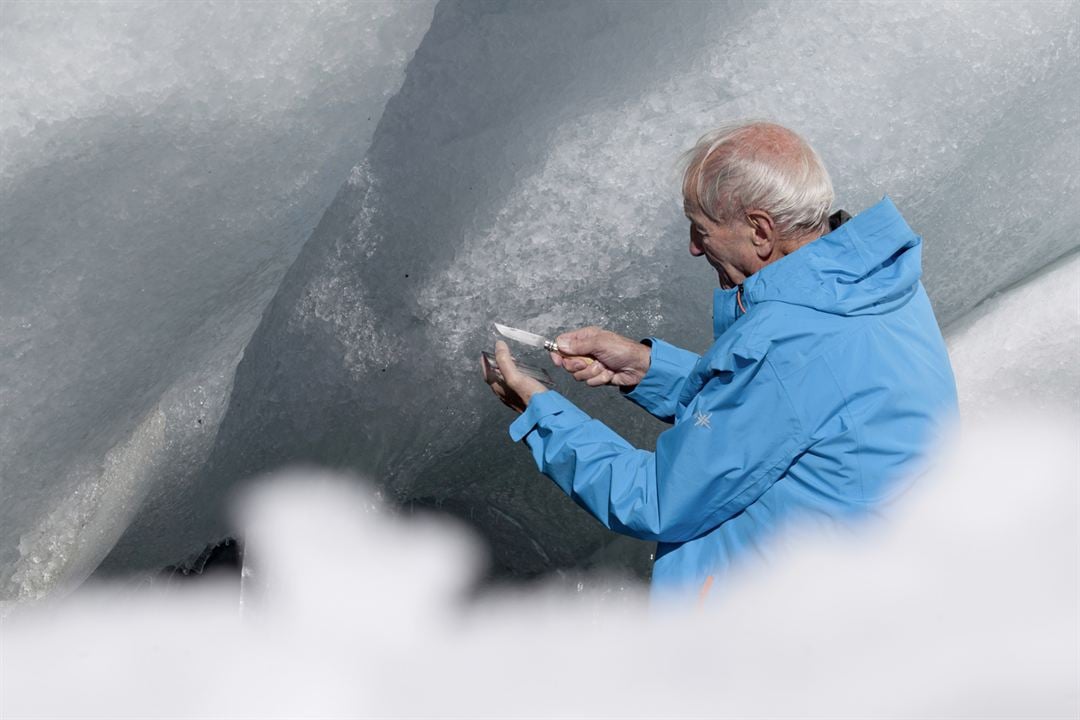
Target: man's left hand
{"type": "Point", "coordinates": [515, 389]}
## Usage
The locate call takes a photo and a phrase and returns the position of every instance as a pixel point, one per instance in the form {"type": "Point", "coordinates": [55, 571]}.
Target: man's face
{"type": "Point", "coordinates": [728, 247]}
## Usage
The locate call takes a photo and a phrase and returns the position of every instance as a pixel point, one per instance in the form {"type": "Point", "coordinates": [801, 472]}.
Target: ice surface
{"type": "Point", "coordinates": [160, 166]}
{"type": "Point", "coordinates": [526, 174]}
{"type": "Point", "coordinates": [1021, 349]}
{"type": "Point", "coordinates": [962, 605]}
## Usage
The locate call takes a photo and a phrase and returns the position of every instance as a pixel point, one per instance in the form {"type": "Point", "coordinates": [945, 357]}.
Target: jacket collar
{"type": "Point", "coordinates": [868, 265]}
{"type": "Point", "coordinates": [725, 310]}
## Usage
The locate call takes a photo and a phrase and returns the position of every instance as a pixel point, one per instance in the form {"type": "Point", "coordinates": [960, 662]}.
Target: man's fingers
{"type": "Point", "coordinates": [589, 371]}
{"type": "Point", "coordinates": [575, 364]}
{"type": "Point", "coordinates": [557, 359]}
{"type": "Point", "coordinates": [602, 379]}
{"type": "Point", "coordinates": [578, 342]}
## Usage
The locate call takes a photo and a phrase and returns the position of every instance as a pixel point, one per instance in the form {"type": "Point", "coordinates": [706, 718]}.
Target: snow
{"type": "Point", "coordinates": [962, 605]}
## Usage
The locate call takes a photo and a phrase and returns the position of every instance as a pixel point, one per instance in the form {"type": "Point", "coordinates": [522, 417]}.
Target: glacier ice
{"type": "Point", "coordinates": [525, 174]}
{"type": "Point", "coordinates": [162, 165]}
{"type": "Point", "coordinates": [1020, 349]}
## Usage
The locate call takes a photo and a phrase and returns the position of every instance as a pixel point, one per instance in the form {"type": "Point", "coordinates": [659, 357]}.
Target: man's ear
{"type": "Point", "coordinates": [764, 232]}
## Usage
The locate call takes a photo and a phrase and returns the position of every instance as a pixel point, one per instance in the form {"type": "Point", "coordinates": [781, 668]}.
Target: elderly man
{"type": "Point", "coordinates": [826, 384]}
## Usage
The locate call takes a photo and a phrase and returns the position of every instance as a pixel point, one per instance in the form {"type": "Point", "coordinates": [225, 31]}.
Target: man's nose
{"type": "Point", "coordinates": [695, 245]}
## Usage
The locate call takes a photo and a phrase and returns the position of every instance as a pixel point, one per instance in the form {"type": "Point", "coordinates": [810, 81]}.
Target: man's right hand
{"type": "Point", "coordinates": [616, 360]}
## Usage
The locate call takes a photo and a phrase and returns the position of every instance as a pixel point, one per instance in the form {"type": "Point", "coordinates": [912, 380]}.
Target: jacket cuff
{"type": "Point", "coordinates": [658, 392]}
{"type": "Point", "coordinates": [541, 405]}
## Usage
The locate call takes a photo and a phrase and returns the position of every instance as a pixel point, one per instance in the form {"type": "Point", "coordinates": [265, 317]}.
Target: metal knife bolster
{"type": "Point", "coordinates": [551, 346]}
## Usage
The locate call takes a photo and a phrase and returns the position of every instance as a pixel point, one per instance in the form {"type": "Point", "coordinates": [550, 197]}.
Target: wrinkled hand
{"type": "Point", "coordinates": [617, 360]}
{"type": "Point", "coordinates": [515, 389]}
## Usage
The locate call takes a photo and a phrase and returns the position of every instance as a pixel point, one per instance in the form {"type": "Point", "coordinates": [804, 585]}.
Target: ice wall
{"type": "Point", "coordinates": [1019, 350]}
{"type": "Point", "coordinates": [525, 173]}
{"type": "Point", "coordinates": [160, 166]}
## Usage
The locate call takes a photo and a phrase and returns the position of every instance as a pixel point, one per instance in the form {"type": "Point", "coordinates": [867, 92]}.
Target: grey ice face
{"type": "Point", "coordinates": [160, 168]}
{"type": "Point", "coordinates": [538, 184]}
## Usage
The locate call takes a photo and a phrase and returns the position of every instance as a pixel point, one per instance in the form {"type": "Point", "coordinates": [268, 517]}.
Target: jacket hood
{"type": "Point", "coordinates": [870, 265]}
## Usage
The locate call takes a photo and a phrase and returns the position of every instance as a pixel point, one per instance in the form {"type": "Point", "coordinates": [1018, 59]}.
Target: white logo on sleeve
{"type": "Point", "coordinates": [701, 419]}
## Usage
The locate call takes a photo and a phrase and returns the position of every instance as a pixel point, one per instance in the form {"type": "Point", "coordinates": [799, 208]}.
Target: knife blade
{"type": "Point", "coordinates": [527, 338]}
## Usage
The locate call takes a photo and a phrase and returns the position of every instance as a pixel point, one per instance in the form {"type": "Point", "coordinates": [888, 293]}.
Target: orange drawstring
{"type": "Point", "coordinates": [704, 591]}
{"type": "Point", "coordinates": [738, 299]}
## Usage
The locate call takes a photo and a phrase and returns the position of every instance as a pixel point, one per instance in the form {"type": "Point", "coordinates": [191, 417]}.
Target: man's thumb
{"type": "Point", "coordinates": [505, 360]}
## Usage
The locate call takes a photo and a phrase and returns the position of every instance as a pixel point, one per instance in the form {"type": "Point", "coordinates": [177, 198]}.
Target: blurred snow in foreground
{"type": "Point", "coordinates": [962, 605]}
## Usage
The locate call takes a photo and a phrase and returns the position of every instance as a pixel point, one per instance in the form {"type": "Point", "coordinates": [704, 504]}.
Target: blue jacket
{"type": "Point", "coordinates": [816, 402]}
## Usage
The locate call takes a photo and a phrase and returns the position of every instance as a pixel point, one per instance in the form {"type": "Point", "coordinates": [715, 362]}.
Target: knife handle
{"type": "Point", "coordinates": [552, 346]}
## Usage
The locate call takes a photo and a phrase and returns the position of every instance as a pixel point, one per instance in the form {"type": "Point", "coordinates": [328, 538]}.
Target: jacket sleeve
{"type": "Point", "coordinates": [658, 392]}
{"type": "Point", "coordinates": [734, 440]}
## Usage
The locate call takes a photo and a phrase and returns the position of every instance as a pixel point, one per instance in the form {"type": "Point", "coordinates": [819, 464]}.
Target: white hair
{"type": "Point", "coordinates": [753, 164]}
